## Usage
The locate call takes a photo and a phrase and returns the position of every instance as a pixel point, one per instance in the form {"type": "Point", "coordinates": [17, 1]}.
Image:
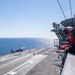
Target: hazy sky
{"type": "Point", "coordinates": [31, 18]}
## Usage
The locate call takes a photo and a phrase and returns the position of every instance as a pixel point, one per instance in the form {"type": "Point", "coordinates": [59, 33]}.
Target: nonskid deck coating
{"type": "Point", "coordinates": [45, 62]}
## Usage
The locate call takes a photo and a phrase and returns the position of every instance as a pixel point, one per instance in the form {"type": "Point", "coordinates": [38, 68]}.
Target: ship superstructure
{"type": "Point", "coordinates": [60, 31]}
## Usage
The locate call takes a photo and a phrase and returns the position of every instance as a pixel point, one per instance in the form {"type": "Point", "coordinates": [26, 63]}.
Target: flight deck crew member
{"type": "Point", "coordinates": [70, 47]}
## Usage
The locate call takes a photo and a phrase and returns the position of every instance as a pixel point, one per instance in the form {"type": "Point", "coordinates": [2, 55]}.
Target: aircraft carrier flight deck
{"type": "Point", "coordinates": [43, 61]}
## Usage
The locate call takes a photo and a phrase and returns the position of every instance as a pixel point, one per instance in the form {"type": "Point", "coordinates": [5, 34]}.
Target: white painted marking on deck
{"type": "Point", "coordinates": [28, 63]}
{"type": "Point", "coordinates": [11, 73]}
{"type": "Point", "coordinates": [2, 58]}
{"type": "Point", "coordinates": [38, 50]}
{"type": "Point", "coordinates": [46, 51]}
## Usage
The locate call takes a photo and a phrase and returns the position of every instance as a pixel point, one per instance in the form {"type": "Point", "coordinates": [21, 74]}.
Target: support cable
{"type": "Point", "coordinates": [63, 12]}
{"type": "Point", "coordinates": [70, 8]}
{"type": "Point", "coordinates": [71, 12]}
{"type": "Point", "coordinates": [61, 9]}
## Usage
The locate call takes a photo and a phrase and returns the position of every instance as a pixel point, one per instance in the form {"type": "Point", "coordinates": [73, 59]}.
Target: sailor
{"type": "Point", "coordinates": [70, 47]}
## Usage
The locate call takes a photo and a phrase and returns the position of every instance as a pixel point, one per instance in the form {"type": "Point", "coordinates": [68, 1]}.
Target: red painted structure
{"type": "Point", "coordinates": [70, 36]}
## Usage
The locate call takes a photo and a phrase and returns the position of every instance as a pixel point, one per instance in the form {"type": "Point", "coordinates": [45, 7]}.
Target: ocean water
{"type": "Point", "coordinates": [6, 44]}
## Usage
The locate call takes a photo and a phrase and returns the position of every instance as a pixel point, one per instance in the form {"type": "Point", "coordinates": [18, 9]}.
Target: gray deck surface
{"type": "Point", "coordinates": [44, 62]}
{"type": "Point", "coordinates": [49, 66]}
